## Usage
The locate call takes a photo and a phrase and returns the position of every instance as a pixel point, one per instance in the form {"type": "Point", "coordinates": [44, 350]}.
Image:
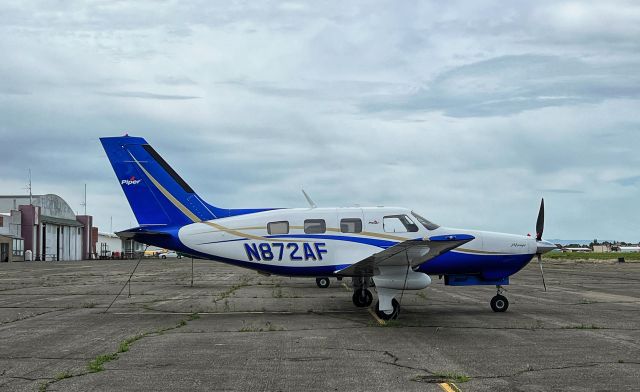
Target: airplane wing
{"type": "Point", "coordinates": [416, 251]}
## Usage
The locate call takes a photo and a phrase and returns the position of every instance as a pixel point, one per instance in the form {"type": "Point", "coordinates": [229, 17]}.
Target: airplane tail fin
{"type": "Point", "coordinates": [156, 193]}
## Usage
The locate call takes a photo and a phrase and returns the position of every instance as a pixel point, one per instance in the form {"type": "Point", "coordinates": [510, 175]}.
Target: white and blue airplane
{"type": "Point", "coordinates": [393, 249]}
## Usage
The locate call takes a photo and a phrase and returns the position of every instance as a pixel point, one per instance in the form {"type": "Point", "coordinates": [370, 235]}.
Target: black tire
{"type": "Point", "coordinates": [323, 283]}
{"type": "Point", "coordinates": [163, 257]}
{"type": "Point", "coordinates": [393, 315]}
{"type": "Point", "coordinates": [362, 298]}
{"type": "Point", "coordinates": [499, 303]}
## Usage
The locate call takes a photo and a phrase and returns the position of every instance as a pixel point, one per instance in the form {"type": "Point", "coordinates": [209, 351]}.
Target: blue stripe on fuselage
{"type": "Point", "coordinates": [384, 244]}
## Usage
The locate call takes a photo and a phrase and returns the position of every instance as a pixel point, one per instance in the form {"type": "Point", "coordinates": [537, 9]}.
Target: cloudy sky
{"type": "Point", "coordinates": [468, 112]}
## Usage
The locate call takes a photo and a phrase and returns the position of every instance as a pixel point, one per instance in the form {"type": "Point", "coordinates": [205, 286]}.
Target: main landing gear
{"type": "Point", "coordinates": [499, 303]}
{"type": "Point", "coordinates": [362, 297]}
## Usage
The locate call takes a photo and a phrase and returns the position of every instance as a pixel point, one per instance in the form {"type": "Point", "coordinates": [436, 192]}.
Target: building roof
{"type": "Point", "coordinates": [50, 205]}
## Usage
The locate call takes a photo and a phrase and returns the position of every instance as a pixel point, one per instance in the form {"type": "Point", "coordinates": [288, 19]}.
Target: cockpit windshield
{"type": "Point", "coordinates": [427, 224]}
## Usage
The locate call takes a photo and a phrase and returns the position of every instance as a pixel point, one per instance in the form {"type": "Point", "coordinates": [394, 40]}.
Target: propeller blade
{"type": "Point", "coordinates": [540, 222]}
{"type": "Point", "coordinates": [541, 271]}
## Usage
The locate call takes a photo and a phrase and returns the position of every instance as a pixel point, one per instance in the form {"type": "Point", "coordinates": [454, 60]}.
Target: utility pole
{"type": "Point", "coordinates": [85, 199]}
{"type": "Point", "coordinates": [29, 187]}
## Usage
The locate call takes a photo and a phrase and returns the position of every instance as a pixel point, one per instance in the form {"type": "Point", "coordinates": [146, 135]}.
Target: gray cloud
{"type": "Point", "coordinates": [145, 95]}
{"type": "Point", "coordinates": [511, 84]}
{"type": "Point", "coordinates": [562, 191]}
{"type": "Point", "coordinates": [629, 181]}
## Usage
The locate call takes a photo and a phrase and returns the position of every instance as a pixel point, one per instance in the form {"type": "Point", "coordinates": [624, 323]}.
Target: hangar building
{"type": "Point", "coordinates": [45, 227]}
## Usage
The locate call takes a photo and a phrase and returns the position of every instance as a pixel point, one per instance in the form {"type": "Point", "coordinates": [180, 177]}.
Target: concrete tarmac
{"type": "Point", "coordinates": [236, 330]}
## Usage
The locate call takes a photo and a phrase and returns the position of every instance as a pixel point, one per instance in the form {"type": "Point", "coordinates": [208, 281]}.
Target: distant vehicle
{"type": "Point", "coordinates": [394, 248]}
{"type": "Point", "coordinates": [576, 250]}
{"type": "Point", "coordinates": [169, 255]}
{"type": "Point", "coordinates": [150, 253]}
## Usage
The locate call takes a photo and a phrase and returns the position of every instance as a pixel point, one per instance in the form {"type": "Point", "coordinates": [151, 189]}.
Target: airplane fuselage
{"type": "Point", "coordinates": [322, 241]}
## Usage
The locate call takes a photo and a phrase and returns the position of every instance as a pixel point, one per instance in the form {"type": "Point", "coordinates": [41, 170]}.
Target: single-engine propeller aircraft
{"type": "Point", "coordinates": [394, 249]}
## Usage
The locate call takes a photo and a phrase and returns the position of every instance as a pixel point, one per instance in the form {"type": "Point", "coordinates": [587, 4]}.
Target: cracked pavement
{"type": "Point", "coordinates": [272, 333]}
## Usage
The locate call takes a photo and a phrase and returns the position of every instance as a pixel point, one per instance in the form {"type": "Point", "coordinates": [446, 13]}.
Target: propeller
{"type": "Point", "coordinates": [540, 222]}
{"type": "Point", "coordinates": [539, 231]}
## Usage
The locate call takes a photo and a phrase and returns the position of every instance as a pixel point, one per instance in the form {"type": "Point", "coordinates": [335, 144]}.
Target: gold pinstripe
{"type": "Point", "coordinates": [167, 194]}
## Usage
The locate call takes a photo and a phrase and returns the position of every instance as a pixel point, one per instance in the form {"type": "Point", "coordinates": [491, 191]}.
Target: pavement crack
{"type": "Point", "coordinates": [386, 353]}
{"type": "Point", "coordinates": [96, 364]}
{"type": "Point", "coordinates": [26, 378]}
{"type": "Point", "coordinates": [31, 316]}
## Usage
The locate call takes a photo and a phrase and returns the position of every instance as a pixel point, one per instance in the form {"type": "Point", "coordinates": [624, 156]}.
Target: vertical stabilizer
{"type": "Point", "coordinates": [156, 193]}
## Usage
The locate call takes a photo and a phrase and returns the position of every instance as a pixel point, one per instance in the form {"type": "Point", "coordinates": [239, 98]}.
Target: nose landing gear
{"type": "Point", "coordinates": [499, 303]}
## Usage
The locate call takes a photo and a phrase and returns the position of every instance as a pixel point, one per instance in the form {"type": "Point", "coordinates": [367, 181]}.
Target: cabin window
{"type": "Point", "coordinates": [424, 222]}
{"type": "Point", "coordinates": [281, 227]}
{"type": "Point", "coordinates": [315, 226]}
{"type": "Point", "coordinates": [398, 224]}
{"type": "Point", "coordinates": [351, 225]}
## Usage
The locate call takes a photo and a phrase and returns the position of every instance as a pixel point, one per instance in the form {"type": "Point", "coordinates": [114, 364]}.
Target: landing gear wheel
{"type": "Point", "coordinates": [499, 303]}
{"type": "Point", "coordinates": [388, 316]}
{"type": "Point", "coordinates": [323, 283]}
{"type": "Point", "coordinates": [362, 298]}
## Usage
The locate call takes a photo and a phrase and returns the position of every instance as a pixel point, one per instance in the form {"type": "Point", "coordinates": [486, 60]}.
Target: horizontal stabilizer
{"type": "Point", "coordinates": [137, 232]}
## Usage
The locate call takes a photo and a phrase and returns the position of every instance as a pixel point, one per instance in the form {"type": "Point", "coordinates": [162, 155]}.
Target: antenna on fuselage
{"type": "Point", "coordinates": [311, 203]}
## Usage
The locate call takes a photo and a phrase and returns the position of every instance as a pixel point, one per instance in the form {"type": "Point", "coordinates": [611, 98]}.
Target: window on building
{"type": "Point", "coordinates": [18, 247]}
{"type": "Point", "coordinates": [351, 225]}
{"type": "Point", "coordinates": [278, 227]}
{"type": "Point", "coordinates": [315, 226]}
{"type": "Point", "coordinates": [398, 224]}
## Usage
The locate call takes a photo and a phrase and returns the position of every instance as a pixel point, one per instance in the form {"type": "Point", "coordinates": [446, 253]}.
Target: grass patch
{"type": "Point", "coordinates": [592, 256]}
{"type": "Point", "coordinates": [63, 375]}
{"type": "Point", "coordinates": [97, 364]}
{"type": "Point", "coordinates": [243, 283]}
{"type": "Point", "coordinates": [124, 346]}
{"type": "Point", "coordinates": [452, 376]}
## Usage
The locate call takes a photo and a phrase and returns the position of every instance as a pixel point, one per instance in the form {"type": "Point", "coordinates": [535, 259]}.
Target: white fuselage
{"type": "Point", "coordinates": [246, 238]}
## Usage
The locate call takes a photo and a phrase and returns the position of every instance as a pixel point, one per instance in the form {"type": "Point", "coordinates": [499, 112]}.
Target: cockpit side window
{"type": "Point", "coordinates": [398, 224]}
{"type": "Point", "coordinates": [427, 224]}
